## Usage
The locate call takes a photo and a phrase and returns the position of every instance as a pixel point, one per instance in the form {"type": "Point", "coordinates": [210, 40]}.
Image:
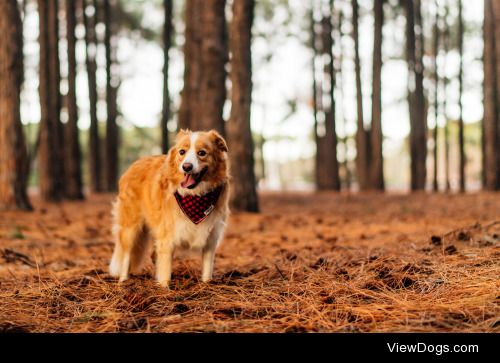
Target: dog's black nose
{"type": "Point", "coordinates": [187, 167]}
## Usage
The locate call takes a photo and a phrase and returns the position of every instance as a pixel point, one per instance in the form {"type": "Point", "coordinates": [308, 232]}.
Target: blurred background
{"type": "Point", "coordinates": [351, 95]}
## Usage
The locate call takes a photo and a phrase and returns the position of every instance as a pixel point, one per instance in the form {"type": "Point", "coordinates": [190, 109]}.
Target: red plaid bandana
{"type": "Point", "coordinates": [198, 207]}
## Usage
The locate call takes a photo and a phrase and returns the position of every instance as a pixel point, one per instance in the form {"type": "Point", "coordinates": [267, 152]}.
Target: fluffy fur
{"type": "Point", "coordinates": [146, 210]}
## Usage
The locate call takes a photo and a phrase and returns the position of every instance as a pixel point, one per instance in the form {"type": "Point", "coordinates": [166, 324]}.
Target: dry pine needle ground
{"type": "Point", "coordinates": [308, 263]}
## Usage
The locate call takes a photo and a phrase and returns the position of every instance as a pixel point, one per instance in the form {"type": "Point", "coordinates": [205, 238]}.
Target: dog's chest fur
{"type": "Point", "coordinates": [194, 236]}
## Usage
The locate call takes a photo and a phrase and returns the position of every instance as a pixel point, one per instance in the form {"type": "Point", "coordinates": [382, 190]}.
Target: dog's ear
{"type": "Point", "coordinates": [218, 140]}
{"type": "Point", "coordinates": [181, 133]}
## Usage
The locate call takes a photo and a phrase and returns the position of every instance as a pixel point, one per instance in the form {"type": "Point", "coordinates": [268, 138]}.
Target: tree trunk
{"type": "Point", "coordinates": [314, 47]}
{"type": "Point", "coordinates": [446, 39]}
{"type": "Point", "coordinates": [416, 100]}
{"type": "Point", "coordinates": [50, 149]}
{"type": "Point", "coordinates": [190, 97]}
{"type": "Point", "coordinates": [244, 196]}
{"type": "Point", "coordinates": [72, 145]}
{"type": "Point", "coordinates": [436, 37]}
{"type": "Point", "coordinates": [362, 136]}
{"type": "Point", "coordinates": [13, 153]}
{"type": "Point", "coordinates": [205, 52]}
{"type": "Point", "coordinates": [167, 41]}
{"type": "Point", "coordinates": [329, 161]}
{"type": "Point", "coordinates": [377, 158]}
{"type": "Point", "coordinates": [491, 94]}
{"type": "Point", "coordinates": [95, 182]}
{"type": "Point", "coordinates": [343, 140]}
{"type": "Point", "coordinates": [111, 161]}
{"type": "Point", "coordinates": [460, 101]}
{"type": "Point", "coordinates": [214, 59]}
{"type": "Point", "coordinates": [496, 21]}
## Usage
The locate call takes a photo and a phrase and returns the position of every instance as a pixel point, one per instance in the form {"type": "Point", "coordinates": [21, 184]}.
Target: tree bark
{"type": "Point", "coordinates": [13, 152]}
{"type": "Point", "coordinates": [95, 182]}
{"type": "Point", "coordinates": [190, 107]}
{"type": "Point", "coordinates": [314, 48]}
{"type": "Point", "coordinates": [205, 52]}
{"type": "Point", "coordinates": [214, 59]}
{"type": "Point", "coordinates": [491, 95]}
{"type": "Point", "coordinates": [112, 144]}
{"type": "Point", "coordinates": [377, 158]}
{"type": "Point", "coordinates": [50, 149]}
{"type": "Point", "coordinates": [72, 145]}
{"type": "Point", "coordinates": [362, 136]}
{"type": "Point", "coordinates": [244, 196]}
{"type": "Point", "coordinates": [167, 42]}
{"type": "Point", "coordinates": [461, 141]}
{"type": "Point", "coordinates": [343, 140]}
{"type": "Point", "coordinates": [436, 38]}
{"type": "Point", "coordinates": [446, 39]}
{"type": "Point", "coordinates": [416, 99]}
{"type": "Point", "coordinates": [496, 12]}
{"type": "Point", "coordinates": [329, 161]}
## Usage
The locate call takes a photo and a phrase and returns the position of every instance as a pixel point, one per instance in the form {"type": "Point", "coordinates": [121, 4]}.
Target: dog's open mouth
{"type": "Point", "coordinates": [191, 180]}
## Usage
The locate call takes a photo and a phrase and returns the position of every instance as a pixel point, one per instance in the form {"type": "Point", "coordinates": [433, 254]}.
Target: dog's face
{"type": "Point", "coordinates": [198, 160]}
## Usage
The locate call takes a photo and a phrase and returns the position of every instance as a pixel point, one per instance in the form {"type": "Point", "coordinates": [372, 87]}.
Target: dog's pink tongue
{"type": "Point", "coordinates": [188, 181]}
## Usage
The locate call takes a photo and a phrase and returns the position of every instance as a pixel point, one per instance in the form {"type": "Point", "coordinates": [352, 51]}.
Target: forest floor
{"type": "Point", "coordinates": [309, 262]}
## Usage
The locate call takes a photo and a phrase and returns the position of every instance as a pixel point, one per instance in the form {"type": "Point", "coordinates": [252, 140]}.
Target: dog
{"type": "Point", "coordinates": [178, 200]}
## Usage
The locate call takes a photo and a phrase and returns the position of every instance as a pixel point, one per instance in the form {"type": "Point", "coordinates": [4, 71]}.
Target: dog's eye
{"type": "Point", "coordinates": [202, 153]}
{"type": "Point", "coordinates": [182, 152]}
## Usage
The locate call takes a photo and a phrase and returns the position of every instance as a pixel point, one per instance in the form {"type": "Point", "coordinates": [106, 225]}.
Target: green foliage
{"type": "Point", "coordinates": [130, 15]}
{"type": "Point", "coordinates": [16, 233]}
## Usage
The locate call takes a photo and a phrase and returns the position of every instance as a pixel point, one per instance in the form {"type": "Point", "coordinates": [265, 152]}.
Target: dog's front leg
{"type": "Point", "coordinates": [208, 254]}
{"type": "Point", "coordinates": [164, 253]}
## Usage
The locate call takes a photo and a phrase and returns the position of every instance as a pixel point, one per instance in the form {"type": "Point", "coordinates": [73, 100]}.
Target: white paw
{"type": "Point", "coordinates": [164, 283]}
{"type": "Point", "coordinates": [114, 268]}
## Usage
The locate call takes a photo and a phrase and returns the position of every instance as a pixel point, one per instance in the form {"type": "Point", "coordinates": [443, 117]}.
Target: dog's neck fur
{"type": "Point", "coordinates": [201, 189]}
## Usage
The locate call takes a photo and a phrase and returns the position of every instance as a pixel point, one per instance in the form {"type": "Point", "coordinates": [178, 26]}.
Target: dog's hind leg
{"type": "Point", "coordinates": [128, 230]}
{"type": "Point", "coordinates": [141, 250]}
{"type": "Point", "coordinates": [128, 237]}
{"type": "Point", "coordinates": [115, 266]}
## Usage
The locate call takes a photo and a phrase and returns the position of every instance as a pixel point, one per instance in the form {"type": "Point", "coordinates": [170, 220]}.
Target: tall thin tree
{"type": "Point", "coordinates": [344, 139]}
{"type": "Point", "coordinates": [362, 135]}
{"type": "Point", "coordinates": [436, 38]}
{"type": "Point", "coordinates": [239, 134]}
{"type": "Point", "coordinates": [331, 162]}
{"type": "Point", "coordinates": [315, 103]}
{"type": "Point", "coordinates": [416, 98]}
{"type": "Point", "coordinates": [491, 95]}
{"type": "Point", "coordinates": [461, 141]}
{"type": "Point", "coordinates": [13, 152]}
{"type": "Point", "coordinates": [111, 164]}
{"type": "Point", "coordinates": [72, 144]}
{"type": "Point", "coordinates": [376, 166]}
{"type": "Point", "coordinates": [50, 149]}
{"type": "Point", "coordinates": [446, 40]}
{"type": "Point", "coordinates": [167, 41]}
{"type": "Point", "coordinates": [94, 147]}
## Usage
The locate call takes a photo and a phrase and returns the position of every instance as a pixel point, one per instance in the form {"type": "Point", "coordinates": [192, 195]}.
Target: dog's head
{"type": "Point", "coordinates": [198, 161]}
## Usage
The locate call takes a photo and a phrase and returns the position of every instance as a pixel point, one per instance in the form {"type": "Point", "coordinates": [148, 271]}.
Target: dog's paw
{"type": "Point", "coordinates": [164, 283]}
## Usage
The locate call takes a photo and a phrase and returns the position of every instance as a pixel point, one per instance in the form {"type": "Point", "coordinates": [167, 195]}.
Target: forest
{"type": "Point", "coordinates": [364, 149]}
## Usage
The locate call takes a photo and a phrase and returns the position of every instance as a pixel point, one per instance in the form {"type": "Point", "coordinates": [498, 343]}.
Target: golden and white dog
{"type": "Point", "coordinates": [149, 205]}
